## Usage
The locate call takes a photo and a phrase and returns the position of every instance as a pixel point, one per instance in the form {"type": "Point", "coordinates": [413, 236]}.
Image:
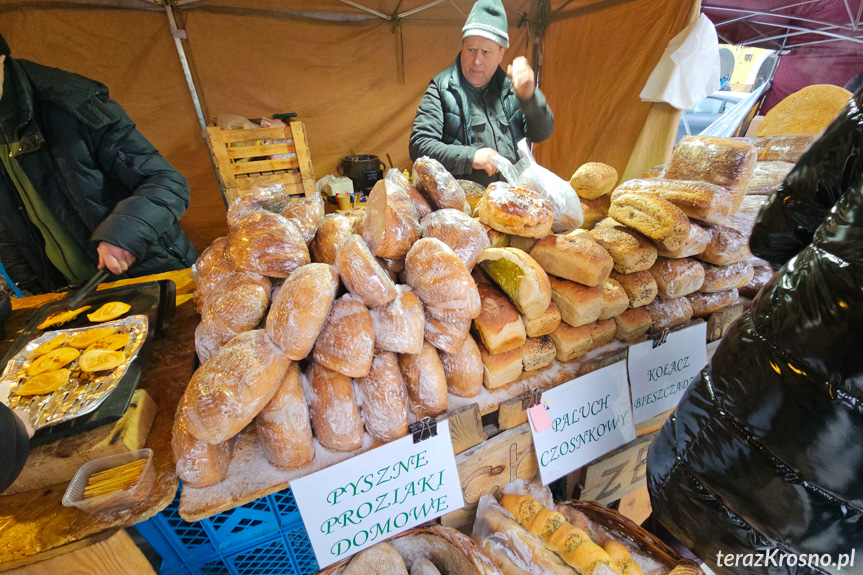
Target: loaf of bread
{"type": "Point", "coordinates": [441, 281]}
{"type": "Point", "coordinates": [347, 341]}
{"type": "Point", "coordinates": [426, 382]}
{"type": "Point", "coordinates": [496, 239]}
{"type": "Point", "coordinates": [544, 324]}
{"type": "Point", "coordinates": [572, 342]}
{"type": "Point", "coordinates": [808, 111]}
{"type": "Point", "coordinates": [614, 299]}
{"type": "Point", "coordinates": [307, 213]}
{"type": "Point", "coordinates": [698, 200]}
{"type": "Point", "coordinates": [594, 211]}
{"type": "Point", "coordinates": [522, 243]}
{"type": "Point", "coordinates": [515, 211]}
{"type": "Point", "coordinates": [726, 162]}
{"type": "Point", "coordinates": [578, 304]}
{"type": "Point", "coordinates": [727, 246]}
{"type": "Point", "coordinates": [380, 559]}
{"type": "Point", "coordinates": [422, 566]}
{"type": "Point", "coordinates": [335, 415]}
{"type": "Point", "coordinates": [473, 192]}
{"type": "Point", "coordinates": [396, 180]}
{"type": "Point", "coordinates": [767, 177]}
{"type": "Point", "coordinates": [520, 277]}
{"type": "Point", "coordinates": [500, 369]}
{"type": "Point", "coordinates": [537, 352]}
{"type": "Point", "coordinates": [593, 179]}
{"type": "Point", "coordinates": [677, 277]}
{"type": "Point", "coordinates": [632, 324]}
{"type": "Point", "coordinates": [657, 171]}
{"type": "Point", "coordinates": [207, 342]}
{"type": "Point", "coordinates": [760, 276]}
{"type": "Point", "coordinates": [283, 425]}
{"type": "Point", "coordinates": [266, 244]}
{"type": "Point", "coordinates": [640, 287]}
{"type": "Point", "coordinates": [393, 267]}
{"type": "Point", "coordinates": [704, 304]}
{"type": "Point", "coordinates": [198, 463]}
{"type": "Point", "coordinates": [384, 399]}
{"type": "Point", "coordinates": [392, 225]}
{"type": "Point", "coordinates": [669, 312]}
{"type": "Point", "coordinates": [210, 268]}
{"type": "Point", "coordinates": [236, 304]}
{"type": "Point", "coordinates": [654, 217]}
{"type": "Point", "coordinates": [630, 251]}
{"type": "Point", "coordinates": [696, 243]}
{"type": "Point", "coordinates": [622, 558]}
{"type": "Point", "coordinates": [499, 324]}
{"type": "Point", "coordinates": [431, 177]}
{"type": "Point", "coordinates": [463, 370]}
{"type": "Point", "coordinates": [399, 325]}
{"type": "Point", "coordinates": [782, 148]}
{"type": "Point", "coordinates": [447, 336]}
{"type": "Point", "coordinates": [301, 307]}
{"type": "Point", "coordinates": [362, 274]}
{"type": "Point", "coordinates": [721, 278]}
{"type": "Point", "coordinates": [465, 235]}
{"type": "Point", "coordinates": [226, 393]}
{"type": "Point", "coordinates": [357, 218]}
{"type": "Point", "coordinates": [575, 256]}
{"type": "Point", "coordinates": [334, 229]}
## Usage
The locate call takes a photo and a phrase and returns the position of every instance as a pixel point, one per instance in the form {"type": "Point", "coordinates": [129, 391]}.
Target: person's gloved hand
{"type": "Point", "coordinates": [523, 78]}
{"type": "Point", "coordinates": [117, 260]}
{"type": "Point", "coordinates": [25, 418]}
{"type": "Point", "coordinates": [482, 161]}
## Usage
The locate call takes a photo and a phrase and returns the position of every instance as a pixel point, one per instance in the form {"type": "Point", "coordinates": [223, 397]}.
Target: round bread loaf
{"type": "Point", "coordinates": [384, 399]}
{"type": "Point", "coordinates": [357, 217]}
{"type": "Point", "coordinates": [395, 178]}
{"type": "Point", "coordinates": [198, 463]}
{"type": "Point", "coordinates": [334, 229]}
{"type": "Point", "coordinates": [463, 369]}
{"type": "Point", "coordinates": [391, 226]}
{"type": "Point", "coordinates": [267, 244]}
{"type": "Point", "coordinates": [462, 233]}
{"type": "Point", "coordinates": [237, 304]}
{"type": "Point", "coordinates": [399, 324]}
{"type": "Point", "coordinates": [515, 211]}
{"type": "Point", "coordinates": [207, 342]}
{"type": "Point", "coordinates": [284, 427]}
{"type": "Point", "coordinates": [306, 213]}
{"type": "Point", "coordinates": [210, 268]}
{"type": "Point", "coordinates": [362, 274]}
{"type": "Point", "coordinates": [426, 382]}
{"type": "Point", "coordinates": [431, 177]}
{"type": "Point", "coordinates": [445, 335]}
{"type": "Point", "coordinates": [335, 414]}
{"type": "Point", "coordinates": [346, 343]}
{"type": "Point", "coordinates": [380, 559]}
{"type": "Point", "coordinates": [441, 281]}
{"type": "Point", "coordinates": [593, 179]}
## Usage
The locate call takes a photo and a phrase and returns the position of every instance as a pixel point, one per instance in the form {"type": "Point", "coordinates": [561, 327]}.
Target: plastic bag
{"type": "Point", "coordinates": [268, 198]}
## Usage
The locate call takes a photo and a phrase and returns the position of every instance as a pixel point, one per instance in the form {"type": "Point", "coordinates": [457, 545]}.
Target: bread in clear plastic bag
{"type": "Point", "coordinates": [334, 229]}
{"type": "Point", "coordinates": [658, 219]}
{"type": "Point", "coordinates": [767, 177]}
{"type": "Point", "coordinates": [301, 307]}
{"type": "Point", "coordinates": [465, 235]}
{"type": "Point", "coordinates": [441, 281]}
{"type": "Point", "coordinates": [399, 324]}
{"type": "Point", "coordinates": [516, 211]}
{"type": "Point", "coordinates": [727, 246]}
{"type": "Point", "coordinates": [463, 369]}
{"type": "Point", "coordinates": [227, 392]}
{"type": "Point", "coordinates": [199, 464]}
{"type": "Point", "coordinates": [721, 278]}
{"type": "Point", "coordinates": [357, 217]}
{"type": "Point", "coordinates": [575, 256]}
{"type": "Point", "coordinates": [362, 274]}
{"type": "Point", "coordinates": [392, 225]}
{"type": "Point", "coordinates": [392, 267]}
{"type": "Point", "coordinates": [284, 427]}
{"type": "Point", "coordinates": [677, 277]}
{"type": "Point", "coordinates": [306, 213]}
{"type": "Point", "coordinates": [704, 304]}
{"type": "Point", "coordinates": [267, 198]}
{"type": "Point", "coordinates": [207, 342]}
{"type": "Point", "coordinates": [744, 220]}
{"type": "Point", "coordinates": [237, 304]}
{"type": "Point", "coordinates": [630, 251]}
{"type": "Point", "coordinates": [657, 171]}
{"type": "Point", "coordinates": [761, 274]}
{"type": "Point", "coordinates": [699, 200]}
{"type": "Point", "coordinates": [431, 177]}
{"type": "Point", "coordinates": [669, 312]}
{"type": "Point", "coordinates": [267, 244]}
{"type": "Point", "coordinates": [335, 414]}
{"type": "Point", "coordinates": [383, 397]}
{"type": "Point", "coordinates": [782, 148]}
{"type": "Point", "coordinates": [395, 178]}
{"type": "Point", "coordinates": [426, 382]}
{"type": "Point", "coordinates": [447, 336]}
{"type": "Point", "coordinates": [696, 243]}
{"type": "Point", "coordinates": [593, 179]}
{"type": "Point", "coordinates": [210, 268]}
{"type": "Point", "coordinates": [346, 343]}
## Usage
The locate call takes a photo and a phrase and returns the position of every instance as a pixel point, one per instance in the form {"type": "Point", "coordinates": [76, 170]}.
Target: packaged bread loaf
{"type": "Point", "coordinates": [640, 287]}
{"type": "Point", "coordinates": [727, 246]}
{"type": "Point", "coordinates": [447, 336]}
{"type": "Point", "coordinates": [593, 179]}
{"type": "Point", "coordinates": [767, 177]}
{"type": "Point", "coordinates": [441, 281]}
{"type": "Point", "coordinates": [657, 171]}
{"type": "Point", "coordinates": [520, 278]}
{"type": "Point", "coordinates": [654, 217]}
{"type": "Point", "coordinates": [696, 243]}
{"type": "Point", "coordinates": [575, 256]}
{"type": "Point", "coordinates": [578, 304]}
{"type": "Point", "coordinates": [301, 307]}
{"type": "Point", "coordinates": [726, 162]}
{"type": "Point", "coordinates": [462, 233]}
{"type": "Point", "coordinates": [669, 312]}
{"type": "Point", "coordinates": [744, 220]}
{"type": "Point", "coordinates": [210, 268]}
{"type": "Point", "coordinates": [544, 324]}
{"type": "Point", "coordinates": [283, 425]}
{"type": "Point", "coordinates": [226, 393]}
{"type": "Point", "coordinates": [721, 278]}
{"type": "Point", "coordinates": [632, 324]}
{"type": "Point", "coordinates": [346, 343]}
{"type": "Point", "coordinates": [383, 397]}
{"type": "Point", "coordinates": [677, 277]}
{"type": "Point", "coordinates": [236, 304]}
{"type": "Point", "coordinates": [267, 244]}
{"type": "Point", "coordinates": [198, 463]}
{"type": "Point", "coordinates": [431, 177]}
{"type": "Point", "coordinates": [499, 369]}
{"type": "Point", "coordinates": [357, 218]}
{"type": "Point", "coordinates": [399, 324]}
{"type": "Point", "coordinates": [335, 414]}
{"type": "Point", "coordinates": [463, 369]}
{"type": "Point", "coordinates": [760, 276]}
{"type": "Point", "coordinates": [594, 211]}
{"type": "Point", "coordinates": [537, 352]}
{"type": "Point", "coordinates": [782, 148]}
{"type": "Point", "coordinates": [698, 200]}
{"type": "Point", "coordinates": [392, 225]}
{"type": "Point", "coordinates": [207, 342]}
{"type": "Point", "coordinates": [267, 198]}
{"type": "Point", "coordinates": [307, 213]}
{"type": "Point", "coordinates": [395, 179]}
{"type": "Point", "coordinates": [334, 229]}
{"type": "Point", "coordinates": [362, 274]}
{"type": "Point", "coordinates": [473, 192]}
{"type": "Point", "coordinates": [704, 304]}
{"type": "Point", "coordinates": [515, 211]}
{"type": "Point", "coordinates": [426, 383]}
{"type": "Point", "coordinates": [498, 324]}
{"type": "Point", "coordinates": [629, 250]}
{"type": "Point", "coordinates": [392, 267]}
{"type": "Point", "coordinates": [614, 299]}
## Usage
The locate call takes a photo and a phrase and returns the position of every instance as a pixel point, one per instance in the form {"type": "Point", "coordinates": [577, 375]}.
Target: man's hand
{"type": "Point", "coordinates": [24, 416]}
{"type": "Point", "coordinates": [523, 78]}
{"type": "Point", "coordinates": [117, 260]}
{"type": "Point", "coordinates": [482, 161]}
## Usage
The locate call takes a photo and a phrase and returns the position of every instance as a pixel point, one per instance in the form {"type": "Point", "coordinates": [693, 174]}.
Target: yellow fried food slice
{"type": "Point", "coordinates": [109, 311]}
{"type": "Point", "coordinates": [111, 342]}
{"type": "Point", "coordinates": [49, 345]}
{"type": "Point", "coordinates": [62, 317]}
{"type": "Point", "coordinates": [52, 360]}
{"type": "Point", "coordinates": [44, 383]}
{"type": "Point", "coordinates": [100, 360]}
{"type": "Point", "coordinates": [84, 339]}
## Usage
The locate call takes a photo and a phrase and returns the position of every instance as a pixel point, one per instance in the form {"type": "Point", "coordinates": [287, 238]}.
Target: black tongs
{"type": "Point", "coordinates": [88, 288]}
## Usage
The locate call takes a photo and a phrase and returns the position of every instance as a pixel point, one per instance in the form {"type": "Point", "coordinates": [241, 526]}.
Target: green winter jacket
{"type": "Point", "coordinates": [102, 178]}
{"type": "Point", "coordinates": [447, 129]}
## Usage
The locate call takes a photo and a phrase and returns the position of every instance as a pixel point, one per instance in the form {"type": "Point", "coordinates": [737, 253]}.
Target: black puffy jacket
{"type": "Point", "coordinates": [764, 454]}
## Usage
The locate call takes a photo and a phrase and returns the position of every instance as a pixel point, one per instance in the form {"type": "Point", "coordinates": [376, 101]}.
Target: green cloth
{"type": "Point", "coordinates": [488, 123]}
{"type": "Point", "coordinates": [487, 18]}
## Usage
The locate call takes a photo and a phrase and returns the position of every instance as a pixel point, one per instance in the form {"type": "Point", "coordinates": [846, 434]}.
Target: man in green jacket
{"type": "Point", "coordinates": [80, 188]}
{"type": "Point", "coordinates": [473, 111]}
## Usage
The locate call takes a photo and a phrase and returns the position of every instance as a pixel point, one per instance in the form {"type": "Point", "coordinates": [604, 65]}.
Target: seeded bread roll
{"type": "Point", "coordinates": [283, 425]}
{"type": "Point", "coordinates": [462, 233]}
{"type": "Point", "coordinates": [426, 382]}
{"type": "Point", "coordinates": [520, 277]}
{"type": "Point", "coordinates": [669, 312]}
{"type": "Point", "coordinates": [473, 192]}
{"type": "Point", "coordinates": [431, 177]}
{"type": "Point", "coordinates": [499, 324]}
{"type": "Point", "coordinates": [306, 213]}
{"type": "Point", "coordinates": [384, 399]}
{"type": "Point", "coordinates": [722, 278]}
{"type": "Point", "coordinates": [654, 217]}
{"type": "Point", "coordinates": [463, 370]}
{"type": "Point", "coordinates": [575, 256]}
{"type": "Point", "coordinates": [677, 277]}
{"type": "Point", "coordinates": [267, 244]}
{"type": "Point", "coordinates": [544, 324]}
{"type": "Point", "coordinates": [630, 251]}
{"type": "Point", "coordinates": [441, 281]}
{"type": "Point", "coordinates": [594, 211]}
{"type": "Point", "coordinates": [593, 180]}
{"type": "Point", "coordinates": [515, 211]}
{"type": "Point", "coordinates": [704, 304]}
{"type": "Point", "coordinates": [699, 200]}
{"type": "Point", "coordinates": [447, 336]}
{"type": "Point", "coordinates": [362, 274]}
{"type": "Point", "coordinates": [392, 225]}
{"type": "Point", "coordinates": [198, 463]}
{"type": "Point", "coordinates": [640, 287]}
{"type": "Point", "coordinates": [727, 246]}
{"type": "Point", "coordinates": [615, 299]}
{"type": "Point", "coordinates": [632, 324]}
{"type": "Point", "coordinates": [347, 341]}
{"type": "Point", "coordinates": [334, 411]}
{"type": "Point", "coordinates": [578, 304]}
{"type": "Point", "coordinates": [501, 368]}
{"type": "Point", "coordinates": [398, 325]}
{"type": "Point", "coordinates": [696, 243]}
{"type": "Point", "coordinates": [537, 352]}
{"type": "Point", "coordinates": [334, 229]}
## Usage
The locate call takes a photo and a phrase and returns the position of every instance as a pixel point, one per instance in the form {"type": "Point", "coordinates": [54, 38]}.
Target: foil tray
{"type": "Point", "coordinates": [79, 396]}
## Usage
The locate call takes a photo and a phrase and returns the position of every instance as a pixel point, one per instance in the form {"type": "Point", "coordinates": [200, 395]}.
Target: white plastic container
{"type": "Point", "coordinates": [332, 185]}
{"type": "Point", "coordinates": [74, 496]}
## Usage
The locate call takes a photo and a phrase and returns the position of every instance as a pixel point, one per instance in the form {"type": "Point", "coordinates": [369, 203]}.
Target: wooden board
{"type": "Point", "coordinates": [636, 505]}
{"type": "Point", "coordinates": [117, 554]}
{"type": "Point", "coordinates": [304, 156]}
{"type": "Point", "coordinates": [619, 473]}
{"type": "Point", "coordinates": [465, 427]}
{"type": "Point", "coordinates": [60, 460]}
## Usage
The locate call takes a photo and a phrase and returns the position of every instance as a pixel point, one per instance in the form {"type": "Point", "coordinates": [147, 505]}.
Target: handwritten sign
{"type": "Point", "coordinates": [590, 416]}
{"type": "Point", "coordinates": [658, 376]}
{"type": "Point", "coordinates": [371, 497]}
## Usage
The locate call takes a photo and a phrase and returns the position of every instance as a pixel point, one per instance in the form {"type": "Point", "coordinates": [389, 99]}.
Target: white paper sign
{"type": "Point", "coordinates": [590, 416]}
{"type": "Point", "coordinates": [659, 375]}
{"type": "Point", "coordinates": [373, 496]}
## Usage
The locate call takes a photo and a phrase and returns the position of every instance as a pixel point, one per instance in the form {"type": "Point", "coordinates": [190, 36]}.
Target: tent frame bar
{"type": "Point", "coordinates": [178, 36]}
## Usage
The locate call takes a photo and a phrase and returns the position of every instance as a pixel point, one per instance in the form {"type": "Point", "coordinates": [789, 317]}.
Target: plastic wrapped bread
{"type": "Point", "coordinates": [267, 244]}
{"type": "Point", "coordinates": [441, 281]}
{"type": "Point", "coordinates": [426, 382]}
{"type": "Point", "coordinates": [516, 211]}
{"type": "Point", "coordinates": [357, 217]}
{"type": "Point", "coordinates": [760, 276]}
{"type": "Point", "coordinates": [399, 324]}
{"type": "Point", "coordinates": [431, 177]}
{"type": "Point", "coordinates": [362, 274]}
{"type": "Point", "coordinates": [210, 268]}
{"type": "Point", "coordinates": [463, 369]}
{"type": "Point", "coordinates": [704, 304]}
{"type": "Point", "coordinates": [727, 246]}
{"type": "Point", "coordinates": [657, 171]}
{"type": "Point", "coordinates": [767, 177]}
{"type": "Point", "coordinates": [447, 336]}
{"type": "Point", "coordinates": [392, 225]}
{"type": "Point", "coordinates": [744, 220]}
{"type": "Point", "coordinates": [383, 397]}
{"type": "Point", "coordinates": [465, 235]}
{"type": "Point", "coordinates": [721, 278]}
{"type": "Point", "coordinates": [335, 414]}
{"type": "Point", "coordinates": [677, 277]}
{"type": "Point", "coordinates": [227, 392]}
{"type": "Point", "coordinates": [199, 464]}
{"type": "Point", "coordinates": [395, 179]}
{"type": "Point", "coordinates": [669, 312]}
{"type": "Point", "coordinates": [236, 304]}
{"type": "Point", "coordinates": [207, 342]}
{"type": "Point", "coordinates": [654, 217]}
{"type": "Point", "coordinates": [346, 343]}
{"type": "Point", "coordinates": [306, 213]}
{"type": "Point", "coordinates": [283, 425]}
{"type": "Point", "coordinates": [334, 229]}
{"type": "Point", "coordinates": [267, 198]}
{"type": "Point", "coordinates": [696, 243]}
{"type": "Point", "coordinates": [300, 309]}
{"type": "Point", "coordinates": [726, 162]}
{"type": "Point", "coordinates": [782, 148]}
{"type": "Point", "coordinates": [392, 267]}
{"type": "Point", "coordinates": [698, 200]}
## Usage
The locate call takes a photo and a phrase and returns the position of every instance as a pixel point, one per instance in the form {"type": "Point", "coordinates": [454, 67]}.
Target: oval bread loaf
{"type": "Point", "coordinates": [654, 217]}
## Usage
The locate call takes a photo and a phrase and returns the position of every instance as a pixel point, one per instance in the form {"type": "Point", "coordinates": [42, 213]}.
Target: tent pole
{"type": "Point", "coordinates": [179, 35]}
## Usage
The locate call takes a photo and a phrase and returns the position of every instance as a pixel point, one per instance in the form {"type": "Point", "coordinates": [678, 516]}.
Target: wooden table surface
{"type": "Point", "coordinates": [36, 522]}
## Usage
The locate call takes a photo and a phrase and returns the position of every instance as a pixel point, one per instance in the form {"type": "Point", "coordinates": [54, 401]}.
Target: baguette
{"type": "Point", "coordinates": [621, 556]}
{"type": "Point", "coordinates": [575, 256]}
{"type": "Point", "coordinates": [654, 217]}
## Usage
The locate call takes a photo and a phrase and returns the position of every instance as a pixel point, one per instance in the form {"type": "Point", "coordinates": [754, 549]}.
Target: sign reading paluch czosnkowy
{"type": "Point", "coordinates": [373, 496]}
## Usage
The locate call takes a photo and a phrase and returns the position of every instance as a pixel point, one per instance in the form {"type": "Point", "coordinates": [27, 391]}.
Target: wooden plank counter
{"type": "Point", "coordinates": [35, 522]}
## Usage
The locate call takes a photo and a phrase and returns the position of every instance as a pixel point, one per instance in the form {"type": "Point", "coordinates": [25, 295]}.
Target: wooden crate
{"type": "Point", "coordinates": [237, 176]}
